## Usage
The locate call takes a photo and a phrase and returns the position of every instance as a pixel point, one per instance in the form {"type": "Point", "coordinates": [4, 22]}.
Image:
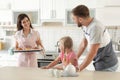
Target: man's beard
{"type": "Point", "coordinates": [79, 25]}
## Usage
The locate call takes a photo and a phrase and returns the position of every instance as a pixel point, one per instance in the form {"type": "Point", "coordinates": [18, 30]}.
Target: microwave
{"type": "Point", "coordinates": [68, 18]}
{"type": "Point", "coordinates": [33, 15]}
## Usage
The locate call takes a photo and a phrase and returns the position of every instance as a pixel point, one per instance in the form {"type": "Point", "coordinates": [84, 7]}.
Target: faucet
{"type": "Point", "coordinates": [57, 47]}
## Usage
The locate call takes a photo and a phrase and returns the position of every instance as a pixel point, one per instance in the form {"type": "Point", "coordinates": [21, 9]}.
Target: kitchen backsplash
{"type": "Point", "coordinates": [50, 36]}
{"type": "Point", "coordinates": [115, 36]}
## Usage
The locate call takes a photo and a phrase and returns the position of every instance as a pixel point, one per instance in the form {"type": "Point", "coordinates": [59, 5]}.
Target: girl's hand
{"type": "Point", "coordinates": [44, 67]}
{"type": "Point", "coordinates": [77, 69]}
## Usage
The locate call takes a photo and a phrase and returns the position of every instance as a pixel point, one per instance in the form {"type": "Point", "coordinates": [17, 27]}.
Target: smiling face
{"type": "Point", "coordinates": [25, 23]}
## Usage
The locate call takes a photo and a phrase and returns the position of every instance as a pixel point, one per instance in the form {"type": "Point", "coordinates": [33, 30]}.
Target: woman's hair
{"type": "Point", "coordinates": [20, 18]}
{"type": "Point", "coordinates": [81, 11]}
{"type": "Point", "coordinates": [67, 42]}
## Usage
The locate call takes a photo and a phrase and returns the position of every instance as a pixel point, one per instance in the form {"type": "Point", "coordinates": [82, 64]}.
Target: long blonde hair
{"type": "Point", "coordinates": [67, 42]}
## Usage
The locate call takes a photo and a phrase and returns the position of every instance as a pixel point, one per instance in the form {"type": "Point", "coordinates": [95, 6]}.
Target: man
{"type": "Point", "coordinates": [98, 41]}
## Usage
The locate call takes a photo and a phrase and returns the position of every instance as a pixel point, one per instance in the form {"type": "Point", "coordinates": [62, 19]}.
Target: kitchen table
{"type": "Point", "coordinates": [17, 73]}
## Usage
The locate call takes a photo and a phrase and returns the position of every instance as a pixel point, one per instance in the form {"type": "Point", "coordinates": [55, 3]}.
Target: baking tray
{"type": "Point", "coordinates": [32, 50]}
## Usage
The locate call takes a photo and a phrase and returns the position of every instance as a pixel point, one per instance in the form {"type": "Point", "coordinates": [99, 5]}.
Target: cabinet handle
{"type": "Point", "coordinates": [53, 13]}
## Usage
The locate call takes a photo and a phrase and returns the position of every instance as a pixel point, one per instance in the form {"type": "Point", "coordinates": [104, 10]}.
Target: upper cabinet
{"type": "Point", "coordinates": [5, 12]}
{"type": "Point", "coordinates": [52, 9]}
{"type": "Point", "coordinates": [46, 9]}
{"type": "Point", "coordinates": [5, 5]}
{"type": "Point", "coordinates": [100, 3]}
{"type": "Point", "coordinates": [25, 5]}
{"type": "Point", "coordinates": [107, 3]}
{"type": "Point", "coordinates": [108, 12]}
{"type": "Point", "coordinates": [60, 9]}
{"type": "Point", "coordinates": [70, 4]}
{"type": "Point", "coordinates": [57, 11]}
{"type": "Point", "coordinates": [113, 3]}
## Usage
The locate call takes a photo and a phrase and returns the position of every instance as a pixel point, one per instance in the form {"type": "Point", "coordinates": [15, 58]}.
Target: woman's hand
{"type": "Point", "coordinates": [27, 47]}
{"type": "Point", "coordinates": [19, 49]}
{"type": "Point", "coordinates": [36, 48]}
{"type": "Point", "coordinates": [43, 50]}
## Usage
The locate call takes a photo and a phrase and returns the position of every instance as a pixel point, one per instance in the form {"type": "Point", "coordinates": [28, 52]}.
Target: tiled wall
{"type": "Point", "coordinates": [50, 36]}
{"type": "Point", "coordinates": [115, 36]}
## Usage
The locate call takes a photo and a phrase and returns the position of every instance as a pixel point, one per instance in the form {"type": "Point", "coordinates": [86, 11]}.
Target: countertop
{"type": "Point", "coordinates": [15, 73]}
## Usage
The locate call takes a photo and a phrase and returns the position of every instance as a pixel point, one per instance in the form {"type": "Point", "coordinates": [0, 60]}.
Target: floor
{"type": "Point", "coordinates": [11, 60]}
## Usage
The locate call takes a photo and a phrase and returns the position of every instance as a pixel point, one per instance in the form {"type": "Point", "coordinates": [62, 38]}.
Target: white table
{"type": "Point", "coordinates": [15, 73]}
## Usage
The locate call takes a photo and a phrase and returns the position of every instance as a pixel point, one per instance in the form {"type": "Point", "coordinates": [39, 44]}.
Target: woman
{"type": "Point", "coordinates": [27, 38]}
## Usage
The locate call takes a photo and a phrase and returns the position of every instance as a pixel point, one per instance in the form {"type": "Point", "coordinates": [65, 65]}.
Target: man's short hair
{"type": "Point", "coordinates": [81, 11]}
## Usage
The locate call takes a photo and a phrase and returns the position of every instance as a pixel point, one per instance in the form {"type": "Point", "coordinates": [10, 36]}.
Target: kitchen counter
{"type": "Point", "coordinates": [15, 73]}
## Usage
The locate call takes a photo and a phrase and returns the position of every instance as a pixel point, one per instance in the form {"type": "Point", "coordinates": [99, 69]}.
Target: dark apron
{"type": "Point", "coordinates": [105, 58]}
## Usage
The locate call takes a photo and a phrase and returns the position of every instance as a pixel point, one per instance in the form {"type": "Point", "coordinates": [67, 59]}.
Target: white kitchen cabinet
{"type": "Point", "coordinates": [70, 4]}
{"type": "Point", "coordinates": [109, 15]}
{"type": "Point", "coordinates": [52, 9]}
{"type": "Point", "coordinates": [107, 11]}
{"type": "Point", "coordinates": [46, 7]}
{"type": "Point", "coordinates": [112, 2]}
{"type": "Point", "coordinates": [107, 3]}
{"type": "Point", "coordinates": [5, 4]}
{"type": "Point", "coordinates": [60, 9]}
{"type": "Point", "coordinates": [101, 3]}
{"type": "Point", "coordinates": [25, 4]}
{"type": "Point", "coordinates": [5, 17]}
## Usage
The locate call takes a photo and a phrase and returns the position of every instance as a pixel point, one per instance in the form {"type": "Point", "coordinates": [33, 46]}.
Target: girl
{"type": "Point", "coordinates": [27, 38]}
{"type": "Point", "coordinates": [66, 55]}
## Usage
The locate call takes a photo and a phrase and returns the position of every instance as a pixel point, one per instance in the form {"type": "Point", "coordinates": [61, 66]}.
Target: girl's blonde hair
{"type": "Point", "coordinates": [67, 42]}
